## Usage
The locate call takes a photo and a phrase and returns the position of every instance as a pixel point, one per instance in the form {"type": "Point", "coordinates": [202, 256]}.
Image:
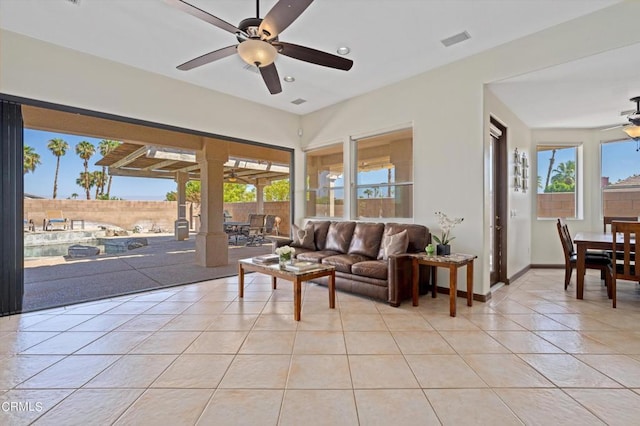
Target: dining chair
{"type": "Point", "coordinates": [624, 268]}
{"type": "Point", "coordinates": [608, 219]}
{"type": "Point", "coordinates": [598, 261]}
{"type": "Point", "coordinates": [255, 232]}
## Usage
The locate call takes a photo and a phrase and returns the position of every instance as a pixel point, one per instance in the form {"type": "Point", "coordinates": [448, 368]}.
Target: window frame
{"type": "Point", "coordinates": [308, 189]}
{"type": "Point", "coordinates": [579, 178]}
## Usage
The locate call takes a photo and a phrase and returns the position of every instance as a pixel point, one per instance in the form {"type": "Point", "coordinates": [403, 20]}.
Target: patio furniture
{"type": "Point", "coordinates": [28, 225]}
{"type": "Point", "coordinates": [255, 232]}
{"type": "Point", "coordinates": [54, 219]}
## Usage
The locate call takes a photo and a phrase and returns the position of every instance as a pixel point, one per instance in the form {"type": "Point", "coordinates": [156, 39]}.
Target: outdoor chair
{"type": "Point", "coordinates": [28, 225]}
{"type": "Point", "coordinates": [255, 232]}
{"type": "Point", "coordinates": [598, 261]}
{"type": "Point", "coordinates": [624, 267]}
{"type": "Point", "coordinates": [54, 219]}
{"type": "Point", "coordinates": [269, 224]}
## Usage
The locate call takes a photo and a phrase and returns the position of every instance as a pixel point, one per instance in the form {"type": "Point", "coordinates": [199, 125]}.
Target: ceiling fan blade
{"type": "Point", "coordinates": [613, 127]}
{"type": "Point", "coordinates": [281, 16]}
{"type": "Point", "coordinates": [271, 78]}
{"type": "Point", "coordinates": [201, 14]}
{"type": "Point", "coordinates": [208, 57]}
{"type": "Point", "coordinates": [313, 56]}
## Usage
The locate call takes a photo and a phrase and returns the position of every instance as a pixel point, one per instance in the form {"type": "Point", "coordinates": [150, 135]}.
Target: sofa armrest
{"type": "Point", "coordinates": [400, 278]}
{"type": "Point", "coordinates": [277, 241]}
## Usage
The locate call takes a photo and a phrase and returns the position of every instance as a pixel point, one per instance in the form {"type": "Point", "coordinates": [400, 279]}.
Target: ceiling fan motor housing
{"type": "Point", "coordinates": [251, 27]}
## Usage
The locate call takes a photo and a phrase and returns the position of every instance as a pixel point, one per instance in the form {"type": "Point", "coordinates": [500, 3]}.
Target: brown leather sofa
{"type": "Point", "coordinates": [356, 250]}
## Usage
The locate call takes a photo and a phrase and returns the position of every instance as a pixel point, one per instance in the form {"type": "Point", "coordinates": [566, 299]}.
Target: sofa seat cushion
{"type": "Point", "coordinates": [372, 269]}
{"type": "Point", "coordinates": [343, 262]}
{"type": "Point", "coordinates": [315, 256]}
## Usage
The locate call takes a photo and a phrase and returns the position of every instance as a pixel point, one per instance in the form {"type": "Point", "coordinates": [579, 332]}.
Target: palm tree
{"type": "Point", "coordinates": [58, 147]}
{"type": "Point", "coordinates": [99, 178]}
{"type": "Point", "coordinates": [86, 181]}
{"type": "Point", "coordinates": [106, 146]}
{"type": "Point", "coordinates": [30, 160]}
{"type": "Point", "coordinates": [85, 150]}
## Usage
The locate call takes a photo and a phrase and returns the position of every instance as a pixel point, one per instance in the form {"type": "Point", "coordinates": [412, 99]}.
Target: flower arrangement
{"type": "Point", "coordinates": [446, 224]}
{"type": "Point", "coordinates": [285, 253]}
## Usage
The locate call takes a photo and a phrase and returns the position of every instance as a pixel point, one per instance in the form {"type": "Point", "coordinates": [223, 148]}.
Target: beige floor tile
{"type": "Point", "coordinates": [536, 322]}
{"type": "Point", "coordinates": [257, 372]}
{"type": "Point", "coordinates": [575, 342]}
{"type": "Point", "coordinates": [64, 343]}
{"type": "Point", "coordinates": [329, 407]}
{"type": "Point", "coordinates": [359, 307]}
{"type": "Point", "coordinates": [567, 371]}
{"type": "Point", "coordinates": [115, 342]}
{"type": "Point", "coordinates": [546, 407]}
{"type": "Point", "coordinates": [319, 372]}
{"type": "Point", "coordinates": [327, 322]}
{"type": "Point", "coordinates": [232, 407]}
{"type": "Point", "coordinates": [242, 307]}
{"type": "Point", "coordinates": [381, 371]}
{"type": "Point", "coordinates": [168, 308]}
{"type": "Point", "coordinates": [406, 322]}
{"type": "Point", "coordinates": [612, 406]}
{"type": "Point", "coordinates": [166, 406]}
{"type": "Point", "coordinates": [232, 322]}
{"type": "Point", "coordinates": [132, 371]}
{"type": "Point", "coordinates": [34, 404]}
{"type": "Point", "coordinates": [90, 406]}
{"type": "Point", "coordinates": [146, 323]}
{"type": "Point", "coordinates": [71, 372]}
{"type": "Point", "coordinates": [282, 308]}
{"type": "Point", "coordinates": [217, 342]}
{"type": "Point", "coordinates": [580, 322]}
{"type": "Point", "coordinates": [16, 369]}
{"type": "Point", "coordinates": [470, 406]}
{"type": "Point", "coordinates": [23, 321]}
{"type": "Point", "coordinates": [494, 322]}
{"type": "Point", "coordinates": [132, 307]}
{"type": "Point", "coordinates": [511, 307]}
{"type": "Point", "coordinates": [268, 342]}
{"type": "Point", "coordinates": [276, 322]}
{"type": "Point", "coordinates": [166, 342]}
{"type": "Point", "coordinates": [93, 308]}
{"type": "Point", "coordinates": [524, 342]}
{"type": "Point", "coordinates": [103, 322]}
{"type": "Point", "coordinates": [505, 371]}
{"type": "Point", "coordinates": [621, 368]}
{"type": "Point", "coordinates": [59, 323]}
{"type": "Point", "coordinates": [473, 342]}
{"type": "Point", "coordinates": [445, 322]}
{"type": "Point", "coordinates": [625, 342]}
{"type": "Point", "coordinates": [444, 371]}
{"type": "Point", "coordinates": [421, 342]}
{"type": "Point", "coordinates": [207, 308]}
{"type": "Point", "coordinates": [363, 322]}
{"type": "Point", "coordinates": [194, 371]}
{"type": "Point", "coordinates": [189, 323]}
{"type": "Point", "coordinates": [319, 343]}
{"type": "Point", "coordinates": [370, 343]}
{"type": "Point", "coordinates": [394, 407]}
{"type": "Point", "coordinates": [14, 342]}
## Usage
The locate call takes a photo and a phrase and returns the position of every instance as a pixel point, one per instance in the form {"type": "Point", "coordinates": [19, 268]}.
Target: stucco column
{"type": "Point", "coordinates": [260, 184]}
{"type": "Point", "coordinates": [182, 224]}
{"type": "Point", "coordinates": [211, 242]}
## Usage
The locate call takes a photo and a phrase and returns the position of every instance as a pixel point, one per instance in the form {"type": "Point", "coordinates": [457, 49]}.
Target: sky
{"type": "Point", "coordinates": [40, 182]}
{"type": "Point", "coordinates": [619, 160]}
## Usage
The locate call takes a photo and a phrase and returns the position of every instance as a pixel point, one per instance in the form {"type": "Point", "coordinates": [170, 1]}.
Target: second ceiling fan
{"type": "Point", "coordinates": [258, 42]}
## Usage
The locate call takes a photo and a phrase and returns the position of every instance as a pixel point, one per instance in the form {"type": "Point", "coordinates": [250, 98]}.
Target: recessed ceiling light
{"type": "Point", "coordinates": [289, 79]}
{"type": "Point", "coordinates": [343, 50]}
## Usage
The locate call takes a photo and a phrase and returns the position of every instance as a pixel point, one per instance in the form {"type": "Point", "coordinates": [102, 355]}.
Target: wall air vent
{"type": "Point", "coordinates": [299, 101]}
{"type": "Point", "coordinates": [458, 38]}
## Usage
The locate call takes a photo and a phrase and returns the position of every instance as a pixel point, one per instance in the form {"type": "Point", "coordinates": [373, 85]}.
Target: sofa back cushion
{"type": "Point", "coordinates": [418, 236]}
{"type": "Point", "coordinates": [366, 239]}
{"type": "Point", "coordinates": [303, 238]}
{"type": "Point", "coordinates": [339, 236]}
{"type": "Point", "coordinates": [320, 229]}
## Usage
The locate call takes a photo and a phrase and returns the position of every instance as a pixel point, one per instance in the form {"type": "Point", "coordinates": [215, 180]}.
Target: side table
{"type": "Point", "coordinates": [453, 262]}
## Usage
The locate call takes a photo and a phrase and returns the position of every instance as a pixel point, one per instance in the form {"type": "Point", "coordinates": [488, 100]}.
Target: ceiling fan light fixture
{"type": "Point", "coordinates": [257, 52]}
{"type": "Point", "coordinates": [632, 131]}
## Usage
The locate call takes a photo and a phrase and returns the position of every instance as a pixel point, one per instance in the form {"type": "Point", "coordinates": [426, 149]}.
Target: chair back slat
{"type": "Point", "coordinates": [608, 219]}
{"type": "Point", "coordinates": [565, 239]}
{"type": "Point", "coordinates": [625, 268]}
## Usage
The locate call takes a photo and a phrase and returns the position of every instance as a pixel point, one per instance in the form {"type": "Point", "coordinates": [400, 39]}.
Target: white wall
{"type": "Point", "coordinates": [37, 70]}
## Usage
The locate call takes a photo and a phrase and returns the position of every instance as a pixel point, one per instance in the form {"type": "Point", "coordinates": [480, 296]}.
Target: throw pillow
{"type": "Point", "coordinates": [303, 238]}
{"type": "Point", "coordinates": [396, 244]}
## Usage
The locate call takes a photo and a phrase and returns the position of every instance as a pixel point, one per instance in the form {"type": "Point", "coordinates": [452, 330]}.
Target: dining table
{"type": "Point", "coordinates": [591, 241]}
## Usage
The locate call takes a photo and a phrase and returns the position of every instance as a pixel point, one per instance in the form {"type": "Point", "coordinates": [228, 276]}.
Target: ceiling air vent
{"type": "Point", "coordinates": [76, 2]}
{"type": "Point", "coordinates": [458, 38]}
{"type": "Point", "coordinates": [299, 101]}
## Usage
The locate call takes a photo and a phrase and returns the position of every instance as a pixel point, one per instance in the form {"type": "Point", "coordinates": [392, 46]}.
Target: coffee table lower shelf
{"type": "Point", "coordinates": [295, 277]}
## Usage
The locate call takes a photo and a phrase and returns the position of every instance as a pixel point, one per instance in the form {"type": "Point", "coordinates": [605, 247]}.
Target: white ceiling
{"type": "Point", "coordinates": [390, 40]}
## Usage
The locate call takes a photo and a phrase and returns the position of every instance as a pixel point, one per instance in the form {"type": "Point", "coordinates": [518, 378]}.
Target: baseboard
{"type": "Point", "coordinates": [518, 274]}
{"type": "Point", "coordinates": [462, 293]}
{"type": "Point", "coordinates": [546, 266]}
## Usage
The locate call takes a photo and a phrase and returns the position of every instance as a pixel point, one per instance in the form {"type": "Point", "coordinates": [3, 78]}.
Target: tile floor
{"type": "Point", "coordinates": [197, 355]}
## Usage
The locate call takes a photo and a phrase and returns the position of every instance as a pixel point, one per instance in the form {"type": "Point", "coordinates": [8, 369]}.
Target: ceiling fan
{"type": "Point", "coordinates": [633, 127]}
{"type": "Point", "coordinates": [258, 42]}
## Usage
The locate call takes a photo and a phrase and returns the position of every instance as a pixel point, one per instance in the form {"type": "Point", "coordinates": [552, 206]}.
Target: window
{"type": "Point", "coordinates": [384, 175]}
{"type": "Point", "coordinates": [325, 182]}
{"type": "Point", "coordinates": [620, 178]}
{"type": "Point", "coordinates": [557, 181]}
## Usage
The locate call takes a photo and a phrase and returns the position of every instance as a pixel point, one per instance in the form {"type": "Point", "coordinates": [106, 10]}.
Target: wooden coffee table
{"type": "Point", "coordinates": [296, 278]}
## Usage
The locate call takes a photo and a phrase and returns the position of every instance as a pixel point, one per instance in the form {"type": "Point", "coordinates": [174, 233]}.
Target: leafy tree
{"type": "Point", "coordinates": [58, 147]}
{"type": "Point", "coordinates": [85, 150]}
{"type": "Point", "coordinates": [277, 191]}
{"type": "Point", "coordinates": [564, 178]}
{"type": "Point", "coordinates": [74, 196]}
{"type": "Point", "coordinates": [87, 181]}
{"type": "Point", "coordinates": [105, 146]}
{"type": "Point", "coordinates": [192, 192]}
{"type": "Point", "coordinates": [31, 159]}
{"type": "Point", "coordinates": [237, 193]}
{"type": "Point", "coordinates": [100, 179]}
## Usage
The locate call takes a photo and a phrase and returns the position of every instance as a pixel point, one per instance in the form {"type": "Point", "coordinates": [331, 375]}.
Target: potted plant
{"type": "Point", "coordinates": [285, 254]}
{"type": "Point", "coordinates": [446, 225]}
